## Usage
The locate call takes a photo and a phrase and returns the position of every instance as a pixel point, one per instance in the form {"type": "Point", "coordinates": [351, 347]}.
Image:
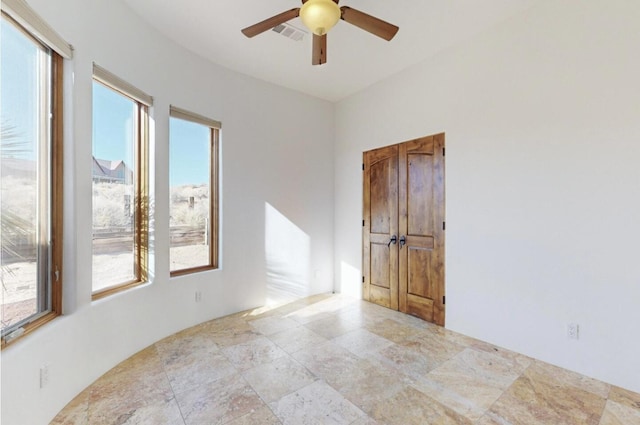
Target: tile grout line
{"type": "Point", "coordinates": [164, 369]}
{"type": "Point", "coordinates": [292, 359]}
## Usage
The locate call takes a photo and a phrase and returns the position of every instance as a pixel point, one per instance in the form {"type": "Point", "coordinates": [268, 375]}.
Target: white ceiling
{"type": "Point", "coordinates": [355, 58]}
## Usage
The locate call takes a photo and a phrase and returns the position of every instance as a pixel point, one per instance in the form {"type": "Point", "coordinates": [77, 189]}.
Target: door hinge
{"type": "Point", "coordinates": [362, 279]}
{"type": "Point", "coordinates": [442, 151]}
{"type": "Point", "coordinates": [362, 223]}
{"type": "Point", "coordinates": [363, 166]}
{"type": "Point", "coordinates": [444, 225]}
{"type": "Point", "coordinates": [444, 299]}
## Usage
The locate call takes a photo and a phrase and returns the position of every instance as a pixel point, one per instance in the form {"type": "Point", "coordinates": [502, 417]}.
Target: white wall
{"type": "Point", "coordinates": [542, 122]}
{"type": "Point", "coordinates": [277, 148]}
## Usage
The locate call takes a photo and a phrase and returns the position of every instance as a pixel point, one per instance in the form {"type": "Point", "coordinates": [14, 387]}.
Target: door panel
{"type": "Point", "coordinates": [416, 306]}
{"type": "Point", "coordinates": [380, 262]}
{"type": "Point", "coordinates": [419, 265]}
{"type": "Point", "coordinates": [380, 296]}
{"type": "Point", "coordinates": [380, 199]}
{"type": "Point", "coordinates": [419, 282]}
{"type": "Point", "coordinates": [419, 194]}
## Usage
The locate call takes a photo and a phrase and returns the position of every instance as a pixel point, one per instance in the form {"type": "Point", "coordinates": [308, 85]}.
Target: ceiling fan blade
{"type": "Point", "coordinates": [272, 22]}
{"type": "Point", "coordinates": [369, 23]}
{"type": "Point", "coordinates": [319, 49]}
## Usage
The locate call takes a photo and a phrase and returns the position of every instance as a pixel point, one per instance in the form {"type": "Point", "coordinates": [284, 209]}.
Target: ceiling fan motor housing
{"type": "Point", "coordinates": [320, 15]}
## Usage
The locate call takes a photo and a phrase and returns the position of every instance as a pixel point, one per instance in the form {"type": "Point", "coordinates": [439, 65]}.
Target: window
{"type": "Point", "coordinates": [119, 178]}
{"type": "Point", "coordinates": [193, 177]}
{"type": "Point", "coordinates": [31, 173]}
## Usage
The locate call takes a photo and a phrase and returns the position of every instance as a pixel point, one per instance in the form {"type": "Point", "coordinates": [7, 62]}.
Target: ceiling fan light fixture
{"type": "Point", "coordinates": [320, 15]}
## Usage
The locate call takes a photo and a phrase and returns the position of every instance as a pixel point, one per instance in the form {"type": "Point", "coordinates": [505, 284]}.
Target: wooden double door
{"type": "Point", "coordinates": [403, 227]}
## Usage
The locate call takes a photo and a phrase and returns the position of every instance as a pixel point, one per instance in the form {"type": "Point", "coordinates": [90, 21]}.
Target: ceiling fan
{"type": "Point", "coordinates": [320, 16]}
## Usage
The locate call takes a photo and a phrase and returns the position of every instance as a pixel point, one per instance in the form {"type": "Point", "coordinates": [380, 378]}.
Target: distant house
{"type": "Point", "coordinates": [111, 171]}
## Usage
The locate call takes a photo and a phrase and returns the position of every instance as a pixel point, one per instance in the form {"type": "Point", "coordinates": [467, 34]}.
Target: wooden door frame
{"type": "Point", "coordinates": [439, 219]}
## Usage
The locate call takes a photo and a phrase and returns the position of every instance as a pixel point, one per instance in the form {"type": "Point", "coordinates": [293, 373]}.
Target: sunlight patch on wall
{"type": "Point", "coordinates": [351, 280]}
{"type": "Point", "coordinates": [287, 252]}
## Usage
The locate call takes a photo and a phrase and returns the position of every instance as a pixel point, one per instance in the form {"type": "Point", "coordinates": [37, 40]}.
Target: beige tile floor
{"type": "Point", "coordinates": [335, 360]}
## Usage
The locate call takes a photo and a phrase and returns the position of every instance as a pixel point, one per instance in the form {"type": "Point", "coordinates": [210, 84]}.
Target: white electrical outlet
{"type": "Point", "coordinates": [198, 296]}
{"type": "Point", "coordinates": [573, 331]}
{"type": "Point", "coordinates": [44, 375]}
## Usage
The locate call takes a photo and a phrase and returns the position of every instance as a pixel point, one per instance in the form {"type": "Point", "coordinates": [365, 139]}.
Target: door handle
{"type": "Point", "coordinates": [392, 241]}
{"type": "Point", "coordinates": [403, 241]}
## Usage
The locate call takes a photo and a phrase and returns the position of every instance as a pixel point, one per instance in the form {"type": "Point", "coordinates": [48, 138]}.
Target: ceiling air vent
{"type": "Point", "coordinates": [290, 31]}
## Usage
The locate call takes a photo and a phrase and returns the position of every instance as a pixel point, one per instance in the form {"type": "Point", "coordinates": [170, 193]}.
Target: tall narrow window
{"type": "Point", "coordinates": [193, 177]}
{"type": "Point", "coordinates": [31, 180]}
{"type": "Point", "coordinates": [120, 197]}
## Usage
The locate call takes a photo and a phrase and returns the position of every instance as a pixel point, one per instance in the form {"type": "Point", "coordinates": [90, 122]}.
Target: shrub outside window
{"type": "Point", "coordinates": [193, 179]}
{"type": "Point", "coordinates": [119, 182]}
{"type": "Point", "coordinates": [31, 179]}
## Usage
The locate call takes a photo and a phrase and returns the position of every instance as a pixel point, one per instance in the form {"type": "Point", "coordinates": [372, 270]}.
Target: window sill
{"type": "Point", "coordinates": [30, 327]}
